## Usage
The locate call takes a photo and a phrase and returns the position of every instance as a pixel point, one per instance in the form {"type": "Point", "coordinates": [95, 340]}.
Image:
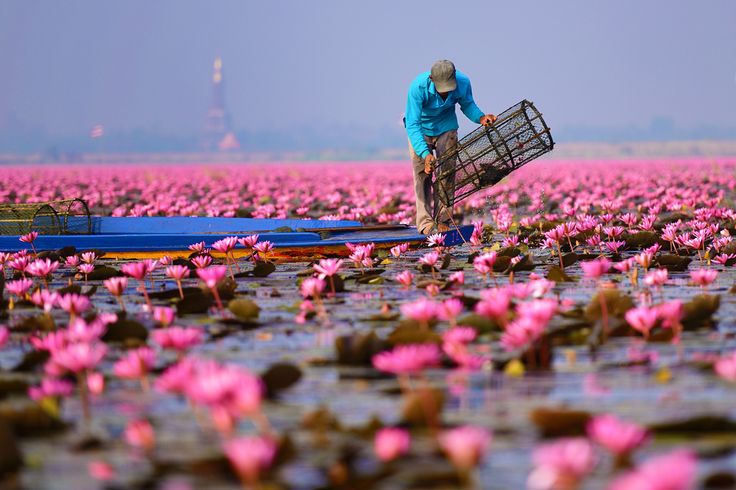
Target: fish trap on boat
{"type": "Point", "coordinates": [490, 153]}
{"type": "Point", "coordinates": [69, 216]}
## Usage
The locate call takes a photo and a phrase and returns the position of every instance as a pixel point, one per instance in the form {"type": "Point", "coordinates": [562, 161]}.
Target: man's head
{"type": "Point", "coordinates": [443, 76]}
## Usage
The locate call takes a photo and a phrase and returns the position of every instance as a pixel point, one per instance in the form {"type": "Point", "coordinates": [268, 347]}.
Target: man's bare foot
{"type": "Point", "coordinates": [442, 227]}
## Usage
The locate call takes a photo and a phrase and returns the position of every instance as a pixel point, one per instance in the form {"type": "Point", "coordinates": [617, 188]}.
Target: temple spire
{"type": "Point", "coordinates": [218, 130]}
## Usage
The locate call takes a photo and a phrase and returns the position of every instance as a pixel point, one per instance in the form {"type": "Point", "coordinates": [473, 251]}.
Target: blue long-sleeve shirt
{"type": "Point", "coordinates": [427, 114]}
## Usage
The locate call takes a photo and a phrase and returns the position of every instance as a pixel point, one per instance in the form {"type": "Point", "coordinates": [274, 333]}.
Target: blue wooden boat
{"type": "Point", "coordinates": [153, 237]}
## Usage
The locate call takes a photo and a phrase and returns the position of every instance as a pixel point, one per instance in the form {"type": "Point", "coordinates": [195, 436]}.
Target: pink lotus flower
{"type": "Point", "coordinates": [450, 309]}
{"type": "Point", "coordinates": [177, 272]}
{"type": "Point", "coordinates": [494, 304]}
{"type": "Point", "coordinates": [140, 435]}
{"type": "Point", "coordinates": [72, 261]}
{"type": "Point", "coordinates": [459, 335]}
{"type": "Point", "coordinates": [42, 267]}
{"type": "Point", "coordinates": [249, 241]}
{"type": "Point", "coordinates": [74, 304]}
{"type": "Point", "coordinates": [226, 245]}
{"type": "Point", "coordinates": [703, 277]}
{"type": "Point", "coordinates": [179, 339]}
{"type": "Point", "coordinates": [561, 464]}
{"type": "Point", "coordinates": [136, 270]}
{"type": "Point", "coordinates": [263, 247]}
{"type": "Point", "coordinates": [43, 298]}
{"type": "Point", "coordinates": [29, 237]}
{"type": "Point", "coordinates": [405, 278]}
{"type": "Point", "coordinates": [421, 310]}
{"type": "Point", "coordinates": [79, 357]}
{"type": "Point", "coordinates": [50, 388]}
{"type": "Point", "coordinates": [328, 267]}
{"type": "Point", "coordinates": [100, 470]}
{"type": "Point", "coordinates": [136, 364]}
{"type": "Point", "coordinates": [457, 278]}
{"type": "Point", "coordinates": [616, 435]}
{"type": "Point", "coordinates": [95, 383]}
{"type": "Point", "coordinates": [656, 278]}
{"type": "Point", "coordinates": [429, 259]}
{"type": "Point", "coordinates": [164, 315]}
{"type": "Point", "coordinates": [672, 471]}
{"type": "Point", "coordinates": [166, 260]}
{"type": "Point", "coordinates": [116, 285]}
{"type": "Point", "coordinates": [390, 443]}
{"type": "Point", "coordinates": [312, 287]}
{"type": "Point", "coordinates": [465, 446]}
{"type": "Point", "coordinates": [644, 259]}
{"type": "Point", "coordinates": [642, 319]}
{"type": "Point", "coordinates": [436, 240]}
{"type": "Point", "coordinates": [407, 359]}
{"type": "Point", "coordinates": [595, 268]}
{"type": "Point", "coordinates": [483, 263]}
{"type": "Point", "coordinates": [212, 275]}
{"type": "Point", "coordinates": [625, 265]}
{"type": "Point", "coordinates": [398, 250]}
{"type": "Point", "coordinates": [86, 269]}
{"type": "Point", "coordinates": [19, 287]}
{"type": "Point", "coordinates": [81, 331]}
{"type": "Point", "coordinates": [250, 456]}
{"type": "Point", "coordinates": [4, 336]}
{"type": "Point", "coordinates": [88, 257]}
{"type": "Point", "coordinates": [197, 247]}
{"type": "Point", "coordinates": [725, 367]}
{"type": "Point", "coordinates": [202, 261]}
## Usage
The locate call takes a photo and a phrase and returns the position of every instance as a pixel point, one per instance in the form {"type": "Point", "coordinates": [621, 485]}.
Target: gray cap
{"type": "Point", "coordinates": [443, 76]}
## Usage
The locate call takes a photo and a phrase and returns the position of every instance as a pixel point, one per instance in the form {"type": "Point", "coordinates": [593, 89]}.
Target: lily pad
{"type": "Point", "coordinates": [31, 360]}
{"type": "Point", "coordinates": [422, 407]}
{"type": "Point", "coordinates": [195, 302]}
{"type": "Point", "coordinates": [11, 459]}
{"type": "Point", "coordinates": [410, 334]}
{"type": "Point", "coordinates": [102, 272]}
{"type": "Point", "coordinates": [673, 263]}
{"type": "Point", "coordinates": [244, 309]}
{"type": "Point", "coordinates": [560, 422]}
{"type": "Point", "coordinates": [173, 293]}
{"type": "Point", "coordinates": [617, 304]}
{"type": "Point", "coordinates": [707, 424]}
{"type": "Point", "coordinates": [26, 417]}
{"type": "Point", "coordinates": [358, 349]}
{"type": "Point", "coordinates": [279, 377]}
{"type": "Point", "coordinates": [642, 239]}
{"type": "Point", "coordinates": [700, 309]}
{"type": "Point", "coordinates": [263, 269]}
{"type": "Point", "coordinates": [125, 329]}
{"type": "Point", "coordinates": [554, 273]}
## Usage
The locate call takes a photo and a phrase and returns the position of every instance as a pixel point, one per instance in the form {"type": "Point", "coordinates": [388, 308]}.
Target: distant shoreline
{"type": "Point", "coordinates": [563, 151]}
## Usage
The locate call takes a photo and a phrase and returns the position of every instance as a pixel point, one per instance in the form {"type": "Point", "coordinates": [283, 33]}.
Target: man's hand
{"type": "Point", "coordinates": [429, 162]}
{"type": "Point", "coordinates": [488, 119]}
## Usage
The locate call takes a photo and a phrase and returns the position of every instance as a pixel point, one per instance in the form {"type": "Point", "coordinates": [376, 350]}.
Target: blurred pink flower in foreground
{"type": "Point", "coordinates": [390, 443]}
{"type": "Point", "coordinates": [616, 435]}
{"type": "Point", "coordinates": [407, 359]}
{"type": "Point", "coordinates": [671, 471]}
{"type": "Point", "coordinates": [561, 464]}
{"type": "Point", "coordinates": [725, 367]}
{"type": "Point", "coordinates": [465, 446]}
{"type": "Point", "coordinates": [250, 456]}
{"type": "Point", "coordinates": [703, 277]}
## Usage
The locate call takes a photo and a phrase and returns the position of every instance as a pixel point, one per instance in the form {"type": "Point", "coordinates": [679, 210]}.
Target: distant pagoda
{"type": "Point", "coordinates": [218, 133]}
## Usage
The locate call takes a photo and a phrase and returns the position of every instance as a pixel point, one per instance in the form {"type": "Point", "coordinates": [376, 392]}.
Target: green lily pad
{"type": "Point", "coordinates": [279, 377]}
{"type": "Point", "coordinates": [244, 309]}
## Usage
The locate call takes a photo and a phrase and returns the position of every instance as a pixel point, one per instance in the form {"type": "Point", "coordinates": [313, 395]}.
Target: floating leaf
{"type": "Point", "coordinates": [700, 309]}
{"type": "Point", "coordinates": [673, 263]}
{"type": "Point", "coordinates": [263, 269]}
{"type": "Point", "coordinates": [12, 384]}
{"type": "Point", "coordinates": [173, 293]}
{"type": "Point", "coordinates": [706, 424]}
{"type": "Point", "coordinates": [560, 422]}
{"type": "Point", "coordinates": [26, 417]}
{"type": "Point", "coordinates": [407, 333]}
{"type": "Point", "coordinates": [422, 406]}
{"type": "Point", "coordinates": [569, 259]}
{"type": "Point", "coordinates": [11, 459]}
{"type": "Point", "coordinates": [244, 309]}
{"type": "Point", "coordinates": [195, 302]}
{"type": "Point", "coordinates": [617, 304]}
{"type": "Point", "coordinates": [502, 263]}
{"type": "Point", "coordinates": [358, 349]}
{"type": "Point", "coordinates": [642, 239]}
{"type": "Point", "coordinates": [102, 272]}
{"type": "Point", "coordinates": [479, 323]}
{"type": "Point", "coordinates": [279, 377]}
{"type": "Point", "coordinates": [554, 273]}
{"type": "Point", "coordinates": [31, 360]}
{"type": "Point", "coordinates": [125, 329]}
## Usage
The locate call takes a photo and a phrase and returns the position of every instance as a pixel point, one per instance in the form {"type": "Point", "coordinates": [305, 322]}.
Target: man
{"type": "Point", "coordinates": [431, 124]}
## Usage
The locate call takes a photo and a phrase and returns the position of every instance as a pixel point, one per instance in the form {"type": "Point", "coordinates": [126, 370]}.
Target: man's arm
{"type": "Point", "coordinates": [472, 111]}
{"type": "Point", "coordinates": [413, 123]}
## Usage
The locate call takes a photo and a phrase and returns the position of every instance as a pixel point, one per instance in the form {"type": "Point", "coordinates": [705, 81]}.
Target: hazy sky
{"type": "Point", "coordinates": [147, 63]}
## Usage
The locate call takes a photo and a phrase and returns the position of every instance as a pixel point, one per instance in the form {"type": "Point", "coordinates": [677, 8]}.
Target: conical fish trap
{"type": "Point", "coordinates": [46, 218]}
{"type": "Point", "coordinates": [490, 153]}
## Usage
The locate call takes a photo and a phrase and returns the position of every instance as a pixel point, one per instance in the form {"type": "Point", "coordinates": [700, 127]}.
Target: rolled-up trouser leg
{"type": "Point", "coordinates": [422, 189]}
{"type": "Point", "coordinates": [445, 142]}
